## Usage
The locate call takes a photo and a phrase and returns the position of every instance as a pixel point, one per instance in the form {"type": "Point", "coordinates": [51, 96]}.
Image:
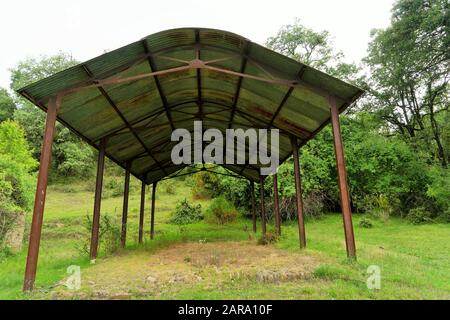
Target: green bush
{"type": "Point", "coordinates": [169, 187]}
{"type": "Point", "coordinates": [221, 211]}
{"type": "Point", "coordinates": [271, 237]}
{"type": "Point", "coordinates": [439, 190]}
{"type": "Point", "coordinates": [108, 236]}
{"type": "Point", "coordinates": [16, 162]}
{"type": "Point", "coordinates": [365, 223]}
{"type": "Point", "coordinates": [8, 217]}
{"type": "Point", "coordinates": [113, 186]}
{"type": "Point", "coordinates": [186, 213]}
{"type": "Point", "coordinates": [205, 185]}
{"type": "Point", "coordinates": [74, 158]}
{"type": "Point", "coordinates": [16, 181]}
{"type": "Point", "coordinates": [419, 215]}
{"type": "Point", "coordinates": [379, 207]}
{"type": "Point", "coordinates": [387, 176]}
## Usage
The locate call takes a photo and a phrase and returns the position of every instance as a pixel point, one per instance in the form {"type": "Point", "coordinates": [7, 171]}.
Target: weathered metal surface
{"type": "Point", "coordinates": [252, 194]}
{"type": "Point", "coordinates": [276, 205]}
{"type": "Point", "coordinates": [97, 200]}
{"type": "Point", "coordinates": [342, 176]}
{"type": "Point", "coordinates": [126, 191]}
{"type": "Point", "coordinates": [298, 194]}
{"type": "Point", "coordinates": [263, 207]}
{"type": "Point", "coordinates": [41, 190]}
{"type": "Point", "coordinates": [152, 218]}
{"type": "Point", "coordinates": [162, 72]}
{"type": "Point", "coordinates": [141, 213]}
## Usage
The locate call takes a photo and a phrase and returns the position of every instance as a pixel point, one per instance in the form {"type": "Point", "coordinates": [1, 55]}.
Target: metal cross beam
{"type": "Point", "coordinates": [239, 84]}
{"type": "Point", "coordinates": [121, 116]}
{"type": "Point", "coordinates": [151, 64]}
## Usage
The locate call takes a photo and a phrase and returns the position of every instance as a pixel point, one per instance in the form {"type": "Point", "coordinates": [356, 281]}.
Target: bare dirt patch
{"type": "Point", "coordinates": [198, 266]}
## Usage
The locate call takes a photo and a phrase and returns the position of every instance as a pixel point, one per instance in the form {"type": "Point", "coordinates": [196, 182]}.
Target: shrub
{"type": "Point", "coordinates": [439, 190]}
{"type": "Point", "coordinates": [271, 237]}
{"type": "Point", "coordinates": [379, 206]}
{"type": "Point", "coordinates": [204, 185]}
{"type": "Point", "coordinates": [16, 182]}
{"type": "Point", "coordinates": [169, 187]}
{"type": "Point", "coordinates": [74, 158]}
{"type": "Point", "coordinates": [186, 213]}
{"type": "Point", "coordinates": [114, 186]}
{"type": "Point", "coordinates": [14, 146]}
{"type": "Point", "coordinates": [365, 223]}
{"type": "Point", "coordinates": [108, 237]}
{"type": "Point", "coordinates": [314, 203]}
{"type": "Point", "coordinates": [235, 190]}
{"type": "Point", "coordinates": [221, 211]}
{"type": "Point", "coordinates": [419, 215]}
{"type": "Point", "coordinates": [8, 216]}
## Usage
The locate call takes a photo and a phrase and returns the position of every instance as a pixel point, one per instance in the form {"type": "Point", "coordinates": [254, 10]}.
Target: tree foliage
{"type": "Point", "coordinates": [16, 163]}
{"type": "Point", "coordinates": [393, 145]}
{"type": "Point", "coordinates": [312, 48]}
{"type": "Point", "coordinates": [70, 155]}
{"type": "Point", "coordinates": [410, 73]}
{"type": "Point", "coordinates": [7, 105]}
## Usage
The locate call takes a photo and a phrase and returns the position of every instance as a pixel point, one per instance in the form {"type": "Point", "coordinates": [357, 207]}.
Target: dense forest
{"type": "Point", "coordinates": [396, 138]}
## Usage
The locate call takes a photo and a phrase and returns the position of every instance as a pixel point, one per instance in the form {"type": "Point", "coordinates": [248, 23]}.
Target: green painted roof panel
{"type": "Point", "coordinates": [147, 104]}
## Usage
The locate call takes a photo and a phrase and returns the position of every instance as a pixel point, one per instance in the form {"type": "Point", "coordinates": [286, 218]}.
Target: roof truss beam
{"type": "Point", "coordinates": [199, 64]}
{"type": "Point", "coordinates": [151, 64]}
{"type": "Point", "coordinates": [239, 84]}
{"type": "Point", "coordinates": [122, 117]}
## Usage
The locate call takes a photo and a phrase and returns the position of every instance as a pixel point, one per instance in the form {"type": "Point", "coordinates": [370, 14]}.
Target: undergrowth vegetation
{"type": "Point", "coordinates": [108, 237]}
{"type": "Point", "coordinates": [221, 211]}
{"type": "Point", "coordinates": [186, 213]}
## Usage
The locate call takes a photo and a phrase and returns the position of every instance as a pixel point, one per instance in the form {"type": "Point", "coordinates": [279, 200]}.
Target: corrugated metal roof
{"type": "Point", "coordinates": [242, 85]}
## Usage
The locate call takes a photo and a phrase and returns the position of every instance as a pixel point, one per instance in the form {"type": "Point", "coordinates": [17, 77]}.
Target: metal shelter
{"type": "Point", "coordinates": [127, 102]}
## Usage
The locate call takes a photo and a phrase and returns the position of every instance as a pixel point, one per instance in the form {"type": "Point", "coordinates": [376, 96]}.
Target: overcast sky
{"type": "Point", "coordinates": [88, 28]}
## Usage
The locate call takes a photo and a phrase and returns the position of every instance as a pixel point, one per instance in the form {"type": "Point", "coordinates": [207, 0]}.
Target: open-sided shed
{"type": "Point", "coordinates": [127, 102]}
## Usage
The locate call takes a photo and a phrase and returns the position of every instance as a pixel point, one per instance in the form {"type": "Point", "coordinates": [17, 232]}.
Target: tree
{"type": "Point", "coordinates": [312, 48]}
{"type": "Point", "coordinates": [14, 146]}
{"type": "Point", "coordinates": [32, 69]}
{"type": "Point", "coordinates": [16, 164]}
{"type": "Point", "coordinates": [7, 105]}
{"type": "Point", "coordinates": [16, 181]}
{"type": "Point", "coordinates": [410, 72]}
{"type": "Point", "coordinates": [71, 156]}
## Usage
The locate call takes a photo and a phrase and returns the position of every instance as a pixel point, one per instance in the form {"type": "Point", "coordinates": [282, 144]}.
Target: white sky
{"type": "Point", "coordinates": [88, 28]}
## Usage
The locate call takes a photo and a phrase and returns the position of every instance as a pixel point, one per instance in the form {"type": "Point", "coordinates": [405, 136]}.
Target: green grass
{"type": "Point", "coordinates": [414, 260]}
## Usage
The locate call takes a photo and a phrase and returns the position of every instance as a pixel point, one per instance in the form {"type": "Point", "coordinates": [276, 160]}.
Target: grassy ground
{"type": "Point", "coordinates": [204, 261]}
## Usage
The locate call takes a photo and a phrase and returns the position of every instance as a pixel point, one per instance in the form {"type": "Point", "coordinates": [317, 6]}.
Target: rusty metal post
{"type": "Point", "coordinates": [263, 209]}
{"type": "Point", "coordinates": [342, 176]}
{"type": "Point", "coordinates": [152, 221]}
{"type": "Point", "coordinates": [97, 200]}
{"type": "Point", "coordinates": [252, 192]}
{"type": "Point", "coordinates": [276, 205]}
{"type": "Point", "coordinates": [298, 194]}
{"type": "Point", "coordinates": [39, 200]}
{"type": "Point", "coordinates": [126, 191]}
{"type": "Point", "coordinates": [141, 213]}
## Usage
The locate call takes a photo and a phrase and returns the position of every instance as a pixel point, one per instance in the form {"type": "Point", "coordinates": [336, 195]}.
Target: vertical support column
{"type": "Point", "coordinates": [126, 191]}
{"type": "Point", "coordinates": [252, 192]}
{"type": "Point", "coordinates": [152, 221]}
{"type": "Point", "coordinates": [141, 213]}
{"type": "Point", "coordinates": [276, 205]}
{"type": "Point", "coordinates": [263, 209]}
{"type": "Point", "coordinates": [298, 194]}
{"type": "Point", "coordinates": [41, 189]}
{"type": "Point", "coordinates": [97, 200]}
{"type": "Point", "coordinates": [342, 176]}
